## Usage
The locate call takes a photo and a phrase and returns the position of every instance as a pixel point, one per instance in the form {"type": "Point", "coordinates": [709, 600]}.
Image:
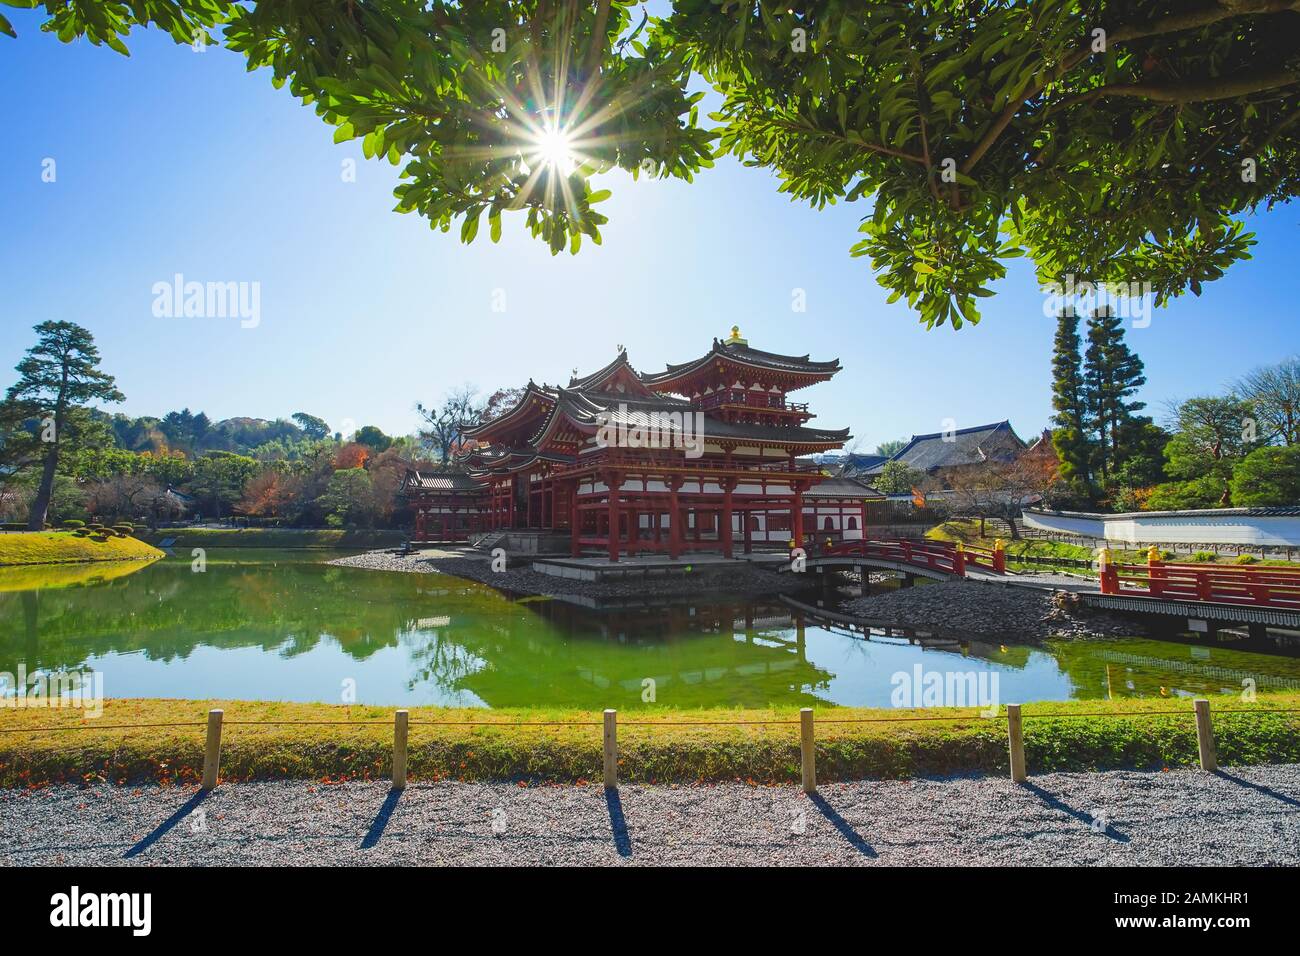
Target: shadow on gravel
{"type": "Point", "coordinates": [381, 819]}
{"type": "Point", "coordinates": [846, 829]}
{"type": "Point", "coordinates": [617, 822]}
{"type": "Point", "coordinates": [166, 826]}
{"type": "Point", "coordinates": [1087, 819]}
{"type": "Point", "coordinates": [1258, 787]}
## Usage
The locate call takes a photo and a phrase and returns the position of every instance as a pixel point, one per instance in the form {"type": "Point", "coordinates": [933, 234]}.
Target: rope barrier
{"type": "Point", "coordinates": [34, 730]}
{"type": "Point", "coordinates": [761, 722]}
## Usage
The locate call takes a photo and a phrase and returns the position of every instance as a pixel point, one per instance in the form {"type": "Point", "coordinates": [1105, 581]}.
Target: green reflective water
{"type": "Point", "coordinates": [285, 626]}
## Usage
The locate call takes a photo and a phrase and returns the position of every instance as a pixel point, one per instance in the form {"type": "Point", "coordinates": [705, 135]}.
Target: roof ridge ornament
{"type": "Point", "coordinates": [735, 337]}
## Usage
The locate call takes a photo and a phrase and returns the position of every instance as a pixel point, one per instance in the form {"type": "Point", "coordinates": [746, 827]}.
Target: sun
{"type": "Point", "coordinates": [553, 147]}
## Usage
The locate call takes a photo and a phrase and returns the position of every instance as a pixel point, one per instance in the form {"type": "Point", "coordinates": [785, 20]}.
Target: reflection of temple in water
{"type": "Point", "coordinates": [688, 652]}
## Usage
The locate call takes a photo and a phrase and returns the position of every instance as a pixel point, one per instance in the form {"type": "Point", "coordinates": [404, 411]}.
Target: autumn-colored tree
{"type": "Point", "coordinates": [352, 455]}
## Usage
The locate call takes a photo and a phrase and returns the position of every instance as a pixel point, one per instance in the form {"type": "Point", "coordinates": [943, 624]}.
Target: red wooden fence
{"type": "Point", "coordinates": [1262, 587]}
{"type": "Point", "coordinates": [938, 555]}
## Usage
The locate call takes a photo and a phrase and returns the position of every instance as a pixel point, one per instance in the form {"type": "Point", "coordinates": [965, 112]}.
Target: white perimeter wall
{"type": "Point", "coordinates": [1173, 529]}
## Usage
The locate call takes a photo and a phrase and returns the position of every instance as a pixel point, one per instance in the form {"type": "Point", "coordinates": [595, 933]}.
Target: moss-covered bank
{"type": "Point", "coordinates": [64, 547]}
{"type": "Point", "coordinates": [659, 746]}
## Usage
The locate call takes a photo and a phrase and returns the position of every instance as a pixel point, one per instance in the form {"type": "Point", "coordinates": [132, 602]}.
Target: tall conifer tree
{"type": "Point", "coordinates": [1113, 374]}
{"type": "Point", "coordinates": [1070, 435]}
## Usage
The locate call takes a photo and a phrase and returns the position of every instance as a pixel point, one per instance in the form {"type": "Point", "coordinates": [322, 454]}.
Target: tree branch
{"type": "Point", "coordinates": [1173, 23]}
{"type": "Point", "coordinates": [1204, 92]}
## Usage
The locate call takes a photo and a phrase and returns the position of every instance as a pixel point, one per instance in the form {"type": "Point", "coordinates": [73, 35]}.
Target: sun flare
{"type": "Point", "coordinates": [554, 149]}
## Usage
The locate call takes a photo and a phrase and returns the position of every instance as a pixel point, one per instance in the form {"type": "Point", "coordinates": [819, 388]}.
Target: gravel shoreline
{"type": "Point", "coordinates": [1243, 816]}
{"type": "Point", "coordinates": [1004, 612]}
{"type": "Point", "coordinates": [963, 608]}
{"type": "Point", "coordinates": [733, 580]}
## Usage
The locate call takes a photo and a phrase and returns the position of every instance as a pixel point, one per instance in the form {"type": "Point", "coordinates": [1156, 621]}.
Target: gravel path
{"type": "Point", "coordinates": [1246, 816]}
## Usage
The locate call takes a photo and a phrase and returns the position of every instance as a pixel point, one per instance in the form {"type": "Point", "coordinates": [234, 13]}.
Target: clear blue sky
{"type": "Point", "coordinates": [173, 161]}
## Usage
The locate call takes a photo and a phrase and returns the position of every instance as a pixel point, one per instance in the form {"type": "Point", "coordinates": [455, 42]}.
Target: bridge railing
{"type": "Point", "coordinates": [1261, 587]}
{"type": "Point", "coordinates": [942, 556]}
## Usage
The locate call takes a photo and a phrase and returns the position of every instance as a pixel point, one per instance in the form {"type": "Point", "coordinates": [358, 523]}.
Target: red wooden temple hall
{"type": "Point", "coordinates": [709, 455]}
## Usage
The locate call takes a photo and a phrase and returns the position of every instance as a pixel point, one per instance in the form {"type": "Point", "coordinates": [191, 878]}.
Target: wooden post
{"type": "Point", "coordinates": [212, 753]}
{"type": "Point", "coordinates": [399, 749]}
{"type": "Point", "coordinates": [1205, 736]}
{"type": "Point", "coordinates": [611, 749]}
{"type": "Point", "coordinates": [1016, 740]}
{"type": "Point", "coordinates": [806, 750]}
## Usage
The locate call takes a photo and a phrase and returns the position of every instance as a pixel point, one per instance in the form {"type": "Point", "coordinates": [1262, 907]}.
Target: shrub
{"type": "Point", "coordinates": [1246, 559]}
{"type": "Point", "coordinates": [73, 523]}
{"type": "Point", "coordinates": [126, 526]}
{"type": "Point", "coordinates": [1205, 556]}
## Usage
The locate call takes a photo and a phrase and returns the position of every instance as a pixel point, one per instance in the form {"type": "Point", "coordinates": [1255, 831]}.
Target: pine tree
{"type": "Point", "coordinates": [56, 379]}
{"type": "Point", "coordinates": [1113, 374]}
{"type": "Point", "coordinates": [1070, 436]}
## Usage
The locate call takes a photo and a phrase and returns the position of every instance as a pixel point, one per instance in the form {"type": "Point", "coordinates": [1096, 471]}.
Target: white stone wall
{"type": "Point", "coordinates": [1214, 527]}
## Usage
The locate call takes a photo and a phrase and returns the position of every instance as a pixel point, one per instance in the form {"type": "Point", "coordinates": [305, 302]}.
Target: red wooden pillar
{"type": "Point", "coordinates": [724, 533]}
{"type": "Point", "coordinates": [575, 521]}
{"type": "Point", "coordinates": [796, 516]}
{"type": "Point", "coordinates": [633, 530]}
{"type": "Point", "coordinates": [746, 517]}
{"type": "Point", "coordinates": [674, 520]}
{"type": "Point", "coordinates": [613, 481]}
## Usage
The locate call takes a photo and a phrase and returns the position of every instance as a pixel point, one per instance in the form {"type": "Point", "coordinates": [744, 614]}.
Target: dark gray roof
{"type": "Point", "coordinates": [443, 481]}
{"type": "Point", "coordinates": [842, 488]}
{"type": "Point", "coordinates": [964, 446]}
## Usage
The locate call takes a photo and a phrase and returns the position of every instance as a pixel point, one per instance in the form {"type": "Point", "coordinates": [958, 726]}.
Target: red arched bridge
{"type": "Point", "coordinates": [1257, 594]}
{"type": "Point", "coordinates": [915, 556]}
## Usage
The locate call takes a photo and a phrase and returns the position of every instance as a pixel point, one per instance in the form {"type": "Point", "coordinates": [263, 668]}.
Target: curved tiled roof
{"type": "Point", "coordinates": [531, 391]}
{"type": "Point", "coordinates": [744, 355]}
{"type": "Point", "coordinates": [963, 446]}
{"type": "Point", "coordinates": [443, 481]}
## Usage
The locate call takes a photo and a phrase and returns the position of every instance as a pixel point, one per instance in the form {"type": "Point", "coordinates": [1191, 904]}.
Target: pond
{"type": "Point", "coordinates": [268, 625]}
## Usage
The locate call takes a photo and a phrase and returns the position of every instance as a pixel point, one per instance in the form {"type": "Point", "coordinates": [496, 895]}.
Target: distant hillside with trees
{"type": "Point", "coordinates": [64, 459]}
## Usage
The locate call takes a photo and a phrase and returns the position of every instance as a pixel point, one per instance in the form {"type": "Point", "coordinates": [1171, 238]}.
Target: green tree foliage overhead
{"type": "Point", "coordinates": [1117, 141]}
{"type": "Point", "coordinates": [57, 378]}
{"type": "Point", "coordinates": [1108, 140]}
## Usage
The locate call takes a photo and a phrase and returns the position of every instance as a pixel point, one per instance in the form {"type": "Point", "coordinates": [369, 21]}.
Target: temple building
{"type": "Point", "coordinates": [709, 455]}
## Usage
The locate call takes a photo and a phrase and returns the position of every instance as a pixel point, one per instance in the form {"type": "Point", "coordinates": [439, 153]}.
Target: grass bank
{"type": "Point", "coordinates": [663, 749]}
{"type": "Point", "coordinates": [282, 538]}
{"type": "Point", "coordinates": [63, 547]}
